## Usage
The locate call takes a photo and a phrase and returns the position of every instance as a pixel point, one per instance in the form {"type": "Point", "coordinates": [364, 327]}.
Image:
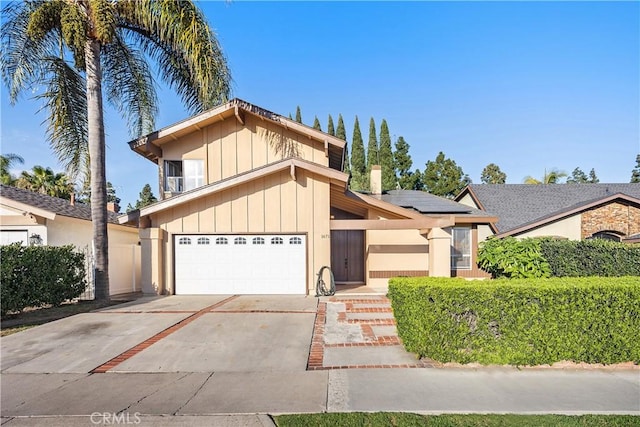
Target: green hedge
{"type": "Point", "coordinates": [519, 321]}
{"type": "Point", "coordinates": [510, 257]}
{"type": "Point", "coordinates": [594, 257]}
{"type": "Point", "coordinates": [546, 257]}
{"type": "Point", "coordinates": [33, 276]}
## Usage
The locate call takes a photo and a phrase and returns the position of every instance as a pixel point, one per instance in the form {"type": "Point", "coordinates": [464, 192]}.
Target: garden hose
{"type": "Point", "coordinates": [321, 286]}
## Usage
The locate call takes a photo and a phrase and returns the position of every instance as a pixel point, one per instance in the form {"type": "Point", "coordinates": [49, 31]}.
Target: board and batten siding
{"type": "Point", "coordinates": [229, 148]}
{"type": "Point", "coordinates": [272, 204]}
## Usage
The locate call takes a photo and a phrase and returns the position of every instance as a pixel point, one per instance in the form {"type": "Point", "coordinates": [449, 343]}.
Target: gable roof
{"type": "Point", "coordinates": [149, 146]}
{"type": "Point", "coordinates": [48, 206]}
{"type": "Point", "coordinates": [522, 206]}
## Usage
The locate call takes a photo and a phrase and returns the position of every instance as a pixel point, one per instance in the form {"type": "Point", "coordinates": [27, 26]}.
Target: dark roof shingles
{"type": "Point", "coordinates": [52, 204]}
{"type": "Point", "coordinates": [518, 204]}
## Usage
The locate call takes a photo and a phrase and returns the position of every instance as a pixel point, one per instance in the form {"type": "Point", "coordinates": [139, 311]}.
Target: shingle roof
{"type": "Point", "coordinates": [426, 203]}
{"type": "Point", "coordinates": [518, 204]}
{"type": "Point", "coordinates": [52, 204]}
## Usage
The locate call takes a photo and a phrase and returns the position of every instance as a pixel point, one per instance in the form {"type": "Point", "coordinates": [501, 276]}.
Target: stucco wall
{"type": "Point", "coordinates": [568, 227]}
{"type": "Point", "coordinates": [273, 204]}
{"type": "Point", "coordinates": [391, 253]}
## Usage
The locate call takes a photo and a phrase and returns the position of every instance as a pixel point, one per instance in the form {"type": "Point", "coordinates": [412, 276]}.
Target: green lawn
{"type": "Point", "coordinates": [361, 419]}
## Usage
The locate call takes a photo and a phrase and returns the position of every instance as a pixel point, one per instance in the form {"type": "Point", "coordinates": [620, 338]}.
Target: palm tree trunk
{"type": "Point", "coordinates": [98, 175]}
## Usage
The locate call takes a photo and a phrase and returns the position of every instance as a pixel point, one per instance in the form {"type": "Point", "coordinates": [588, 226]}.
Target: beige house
{"type": "Point", "coordinates": [571, 211]}
{"type": "Point", "coordinates": [255, 203]}
{"type": "Point", "coordinates": [33, 218]}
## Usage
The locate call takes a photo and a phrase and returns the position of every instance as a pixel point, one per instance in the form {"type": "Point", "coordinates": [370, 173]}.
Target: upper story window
{"type": "Point", "coordinates": [183, 175]}
{"type": "Point", "coordinates": [461, 248]}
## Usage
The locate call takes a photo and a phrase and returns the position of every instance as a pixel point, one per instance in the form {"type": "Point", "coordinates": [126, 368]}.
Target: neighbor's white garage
{"type": "Point", "coordinates": [240, 264]}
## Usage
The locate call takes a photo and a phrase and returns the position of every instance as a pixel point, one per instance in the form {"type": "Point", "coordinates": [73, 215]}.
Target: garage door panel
{"type": "Point", "coordinates": [240, 264]}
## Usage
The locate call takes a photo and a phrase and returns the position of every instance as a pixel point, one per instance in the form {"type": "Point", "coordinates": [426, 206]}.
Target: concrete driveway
{"type": "Point", "coordinates": [171, 334]}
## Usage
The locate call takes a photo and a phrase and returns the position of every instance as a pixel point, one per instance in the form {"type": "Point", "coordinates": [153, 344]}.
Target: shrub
{"type": "Point", "coordinates": [519, 321]}
{"type": "Point", "coordinates": [33, 276]}
{"type": "Point", "coordinates": [595, 257]}
{"type": "Point", "coordinates": [510, 257]}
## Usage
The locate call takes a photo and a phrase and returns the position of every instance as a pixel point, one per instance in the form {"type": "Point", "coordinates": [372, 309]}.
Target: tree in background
{"type": "Point", "coordinates": [373, 156]}
{"type": "Point", "coordinates": [552, 177]}
{"type": "Point", "coordinates": [298, 115]}
{"type": "Point", "coordinates": [84, 195]}
{"type": "Point", "coordinates": [579, 177]}
{"type": "Point", "coordinates": [330, 129]}
{"type": "Point", "coordinates": [316, 124]}
{"type": "Point", "coordinates": [76, 48]}
{"type": "Point", "coordinates": [145, 198]}
{"type": "Point", "coordinates": [635, 173]}
{"type": "Point", "coordinates": [341, 133]}
{"type": "Point", "coordinates": [443, 177]}
{"type": "Point", "coordinates": [492, 174]}
{"type": "Point", "coordinates": [358, 165]}
{"type": "Point", "coordinates": [402, 163]}
{"type": "Point", "coordinates": [6, 162]}
{"type": "Point", "coordinates": [389, 179]}
{"type": "Point", "coordinates": [45, 181]}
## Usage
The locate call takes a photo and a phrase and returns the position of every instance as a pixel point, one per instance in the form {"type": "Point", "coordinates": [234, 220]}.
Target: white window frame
{"type": "Point", "coordinates": [183, 175]}
{"type": "Point", "coordinates": [460, 251]}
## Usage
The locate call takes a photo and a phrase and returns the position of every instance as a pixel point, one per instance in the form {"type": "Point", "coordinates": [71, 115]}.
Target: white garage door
{"type": "Point", "coordinates": [240, 264]}
{"type": "Point", "coordinates": [8, 237]}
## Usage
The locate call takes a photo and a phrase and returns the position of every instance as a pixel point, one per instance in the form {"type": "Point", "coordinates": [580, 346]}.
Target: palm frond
{"type": "Point", "coordinates": [129, 86]}
{"type": "Point", "coordinates": [21, 56]}
{"type": "Point", "coordinates": [176, 35]}
{"type": "Point", "coordinates": [65, 98]}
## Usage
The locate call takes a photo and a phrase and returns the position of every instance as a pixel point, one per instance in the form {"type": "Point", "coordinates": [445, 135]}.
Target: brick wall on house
{"type": "Point", "coordinates": [615, 216]}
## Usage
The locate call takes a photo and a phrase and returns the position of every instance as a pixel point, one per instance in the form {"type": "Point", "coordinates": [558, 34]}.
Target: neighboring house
{"type": "Point", "coordinates": [572, 211]}
{"type": "Point", "coordinates": [253, 202]}
{"type": "Point", "coordinates": [34, 218]}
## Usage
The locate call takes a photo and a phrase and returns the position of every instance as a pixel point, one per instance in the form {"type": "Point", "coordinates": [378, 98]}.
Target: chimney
{"type": "Point", "coordinates": [72, 200]}
{"type": "Point", "coordinates": [113, 207]}
{"type": "Point", "coordinates": [376, 180]}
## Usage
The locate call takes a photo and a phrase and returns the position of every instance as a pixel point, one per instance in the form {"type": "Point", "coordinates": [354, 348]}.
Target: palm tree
{"type": "Point", "coordinates": [45, 181]}
{"type": "Point", "coordinates": [6, 161]}
{"type": "Point", "coordinates": [75, 48]}
{"type": "Point", "coordinates": [552, 177]}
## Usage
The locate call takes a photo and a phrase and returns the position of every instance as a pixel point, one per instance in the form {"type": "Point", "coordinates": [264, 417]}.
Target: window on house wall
{"type": "Point", "coordinates": [606, 235]}
{"type": "Point", "coordinates": [461, 248]}
{"type": "Point", "coordinates": [183, 175]}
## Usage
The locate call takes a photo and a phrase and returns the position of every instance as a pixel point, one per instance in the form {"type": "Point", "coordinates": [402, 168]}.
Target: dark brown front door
{"type": "Point", "coordinates": [347, 256]}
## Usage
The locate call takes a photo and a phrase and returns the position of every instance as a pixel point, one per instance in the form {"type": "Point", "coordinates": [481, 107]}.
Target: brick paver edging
{"type": "Point", "coordinates": [316, 352]}
{"type": "Point", "coordinates": [112, 363]}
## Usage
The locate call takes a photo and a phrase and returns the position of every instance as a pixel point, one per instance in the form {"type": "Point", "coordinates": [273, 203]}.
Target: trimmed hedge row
{"type": "Point", "coordinates": [594, 257]}
{"type": "Point", "coordinates": [519, 321]}
{"type": "Point", "coordinates": [547, 257]}
{"type": "Point", "coordinates": [33, 276]}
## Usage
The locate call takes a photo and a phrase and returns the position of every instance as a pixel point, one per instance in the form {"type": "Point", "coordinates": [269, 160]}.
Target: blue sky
{"type": "Point", "coordinates": [526, 85]}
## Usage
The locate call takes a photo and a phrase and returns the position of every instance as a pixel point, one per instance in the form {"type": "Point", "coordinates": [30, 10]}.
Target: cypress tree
{"type": "Point", "coordinates": [316, 124]}
{"type": "Point", "coordinates": [373, 157]}
{"type": "Point", "coordinates": [342, 134]}
{"type": "Point", "coordinates": [358, 166]}
{"type": "Point", "coordinates": [330, 129]}
{"type": "Point", "coordinates": [389, 179]}
{"type": "Point", "coordinates": [298, 115]}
